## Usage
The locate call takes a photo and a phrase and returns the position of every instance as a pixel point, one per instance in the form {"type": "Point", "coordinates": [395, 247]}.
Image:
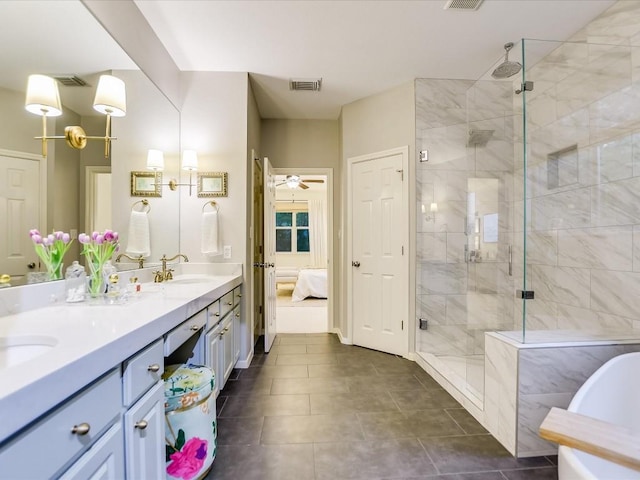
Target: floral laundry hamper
{"type": "Point", "coordinates": [190, 421]}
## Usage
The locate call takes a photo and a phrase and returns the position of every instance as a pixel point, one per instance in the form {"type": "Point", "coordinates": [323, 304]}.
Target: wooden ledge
{"type": "Point", "coordinates": [602, 439]}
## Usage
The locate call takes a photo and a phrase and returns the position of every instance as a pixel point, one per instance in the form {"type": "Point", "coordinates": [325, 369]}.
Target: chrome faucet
{"type": "Point", "coordinates": [139, 259]}
{"type": "Point", "coordinates": [166, 273]}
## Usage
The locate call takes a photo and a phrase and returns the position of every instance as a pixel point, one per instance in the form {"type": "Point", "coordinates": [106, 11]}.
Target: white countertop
{"type": "Point", "coordinates": [92, 340]}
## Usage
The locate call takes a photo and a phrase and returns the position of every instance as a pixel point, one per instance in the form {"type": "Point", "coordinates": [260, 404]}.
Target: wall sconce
{"type": "Point", "coordinates": [433, 209]}
{"type": "Point", "coordinates": [155, 161]}
{"type": "Point", "coordinates": [43, 98]}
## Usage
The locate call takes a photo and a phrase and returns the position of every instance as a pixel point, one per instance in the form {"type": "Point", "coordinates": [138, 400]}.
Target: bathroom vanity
{"type": "Point", "coordinates": [82, 389]}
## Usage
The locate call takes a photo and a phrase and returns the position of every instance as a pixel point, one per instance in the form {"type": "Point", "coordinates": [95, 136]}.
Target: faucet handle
{"type": "Point", "coordinates": [157, 276]}
{"type": "Point", "coordinates": [169, 275]}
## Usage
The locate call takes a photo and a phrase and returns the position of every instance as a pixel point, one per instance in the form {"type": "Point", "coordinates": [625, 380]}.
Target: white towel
{"type": "Point", "coordinates": [210, 241]}
{"type": "Point", "coordinates": [138, 242]}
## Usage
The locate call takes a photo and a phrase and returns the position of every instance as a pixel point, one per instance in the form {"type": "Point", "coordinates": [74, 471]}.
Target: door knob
{"type": "Point", "coordinates": [270, 265]}
{"type": "Point", "coordinates": [355, 264]}
{"type": "Point", "coordinates": [31, 265]}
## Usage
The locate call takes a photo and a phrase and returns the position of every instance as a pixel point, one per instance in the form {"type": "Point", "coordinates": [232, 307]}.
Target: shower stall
{"type": "Point", "coordinates": [528, 192]}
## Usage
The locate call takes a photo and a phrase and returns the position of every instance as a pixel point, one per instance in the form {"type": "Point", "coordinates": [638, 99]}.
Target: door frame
{"type": "Point", "coordinates": [327, 172]}
{"type": "Point", "coordinates": [351, 161]}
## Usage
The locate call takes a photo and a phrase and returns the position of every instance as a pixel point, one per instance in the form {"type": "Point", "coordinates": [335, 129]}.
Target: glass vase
{"type": "Point", "coordinates": [54, 270]}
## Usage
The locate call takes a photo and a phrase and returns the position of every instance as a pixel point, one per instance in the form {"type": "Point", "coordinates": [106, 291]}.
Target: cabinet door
{"type": "Point", "coordinates": [228, 348]}
{"type": "Point", "coordinates": [144, 435]}
{"type": "Point", "coordinates": [103, 461]}
{"type": "Point", "coordinates": [212, 356]}
{"type": "Point", "coordinates": [236, 334]}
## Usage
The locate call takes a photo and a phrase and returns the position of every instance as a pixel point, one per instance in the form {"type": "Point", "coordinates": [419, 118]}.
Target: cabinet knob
{"type": "Point", "coordinates": [194, 328]}
{"type": "Point", "coordinates": [217, 314]}
{"type": "Point", "coordinates": [81, 429]}
{"type": "Point", "coordinates": [142, 424]}
{"type": "Point", "coordinates": [154, 368]}
{"type": "Point", "coordinates": [237, 314]}
{"type": "Point", "coordinates": [226, 329]}
{"type": "Point", "coordinates": [222, 334]}
{"type": "Point", "coordinates": [229, 303]}
{"type": "Point", "coordinates": [239, 295]}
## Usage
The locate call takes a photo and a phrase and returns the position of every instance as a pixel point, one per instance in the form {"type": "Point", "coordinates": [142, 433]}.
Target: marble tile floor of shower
{"type": "Point", "coordinates": [316, 409]}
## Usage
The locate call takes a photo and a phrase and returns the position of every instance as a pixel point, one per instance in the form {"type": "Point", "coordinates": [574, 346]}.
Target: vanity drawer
{"type": "Point", "coordinates": [141, 372]}
{"type": "Point", "coordinates": [213, 314]}
{"type": "Point", "coordinates": [237, 295]}
{"type": "Point", "coordinates": [184, 331]}
{"type": "Point", "coordinates": [226, 303]}
{"type": "Point", "coordinates": [97, 407]}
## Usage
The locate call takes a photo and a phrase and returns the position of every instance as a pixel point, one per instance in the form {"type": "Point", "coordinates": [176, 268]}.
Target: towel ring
{"type": "Point", "coordinates": [145, 203]}
{"type": "Point", "coordinates": [213, 204]}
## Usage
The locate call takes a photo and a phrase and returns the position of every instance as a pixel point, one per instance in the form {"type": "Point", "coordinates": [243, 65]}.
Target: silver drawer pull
{"type": "Point", "coordinates": [142, 424]}
{"type": "Point", "coordinates": [154, 368]}
{"type": "Point", "coordinates": [194, 327]}
{"type": "Point", "coordinates": [81, 429]}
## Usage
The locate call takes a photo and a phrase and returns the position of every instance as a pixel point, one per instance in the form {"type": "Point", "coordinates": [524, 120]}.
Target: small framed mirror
{"type": "Point", "coordinates": [146, 184]}
{"type": "Point", "coordinates": [212, 184]}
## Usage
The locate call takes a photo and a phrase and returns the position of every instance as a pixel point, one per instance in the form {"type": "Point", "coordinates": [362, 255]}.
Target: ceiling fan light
{"type": "Point", "coordinates": [293, 181]}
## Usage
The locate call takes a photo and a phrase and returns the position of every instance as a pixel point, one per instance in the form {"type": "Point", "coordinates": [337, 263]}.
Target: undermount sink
{"type": "Point", "coordinates": [20, 348]}
{"type": "Point", "coordinates": [187, 279]}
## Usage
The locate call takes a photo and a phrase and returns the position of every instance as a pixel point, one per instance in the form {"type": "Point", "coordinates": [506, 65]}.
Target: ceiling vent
{"type": "Point", "coordinates": [71, 81]}
{"type": "Point", "coordinates": [309, 85]}
{"type": "Point", "coordinates": [463, 4]}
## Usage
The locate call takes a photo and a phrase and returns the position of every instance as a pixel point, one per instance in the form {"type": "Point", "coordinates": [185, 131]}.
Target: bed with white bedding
{"type": "Point", "coordinates": [312, 282]}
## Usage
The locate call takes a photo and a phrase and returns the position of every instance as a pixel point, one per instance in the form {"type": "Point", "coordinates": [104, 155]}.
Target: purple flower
{"type": "Point", "coordinates": [33, 232]}
{"type": "Point", "coordinates": [84, 238]}
{"type": "Point", "coordinates": [66, 238]}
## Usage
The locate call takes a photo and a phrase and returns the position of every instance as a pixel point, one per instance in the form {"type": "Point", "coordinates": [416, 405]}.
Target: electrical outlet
{"type": "Point", "coordinates": [227, 251]}
{"type": "Point", "coordinates": [73, 233]}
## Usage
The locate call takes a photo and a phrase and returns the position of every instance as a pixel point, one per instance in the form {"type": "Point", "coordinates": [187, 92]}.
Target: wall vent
{"type": "Point", "coordinates": [463, 4]}
{"type": "Point", "coordinates": [310, 85]}
{"type": "Point", "coordinates": [71, 81]}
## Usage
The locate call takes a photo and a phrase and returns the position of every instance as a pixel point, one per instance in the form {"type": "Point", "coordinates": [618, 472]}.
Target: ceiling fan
{"type": "Point", "coordinates": [294, 181]}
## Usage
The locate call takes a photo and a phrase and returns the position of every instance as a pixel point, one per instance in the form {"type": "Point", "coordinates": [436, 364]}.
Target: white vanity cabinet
{"type": "Point", "coordinates": [143, 396]}
{"type": "Point", "coordinates": [67, 438]}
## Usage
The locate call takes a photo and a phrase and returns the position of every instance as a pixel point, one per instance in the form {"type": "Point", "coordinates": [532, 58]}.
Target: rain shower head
{"type": "Point", "coordinates": [506, 69]}
{"type": "Point", "coordinates": [479, 138]}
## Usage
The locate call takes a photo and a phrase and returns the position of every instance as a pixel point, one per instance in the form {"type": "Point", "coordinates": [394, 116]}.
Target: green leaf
{"type": "Point", "coordinates": [168, 451]}
{"type": "Point", "coordinates": [180, 440]}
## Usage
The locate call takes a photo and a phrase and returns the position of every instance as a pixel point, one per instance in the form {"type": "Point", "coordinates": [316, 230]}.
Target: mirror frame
{"type": "Point", "coordinates": [146, 184]}
{"type": "Point", "coordinates": [212, 184]}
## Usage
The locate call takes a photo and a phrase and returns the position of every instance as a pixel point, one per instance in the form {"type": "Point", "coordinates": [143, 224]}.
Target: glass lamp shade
{"type": "Point", "coordinates": [155, 160]}
{"type": "Point", "coordinates": [43, 97]}
{"type": "Point", "coordinates": [293, 181]}
{"type": "Point", "coordinates": [189, 160]}
{"type": "Point", "coordinates": [111, 96]}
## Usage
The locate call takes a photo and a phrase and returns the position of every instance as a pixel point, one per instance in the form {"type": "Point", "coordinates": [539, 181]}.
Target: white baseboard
{"type": "Point", "coordinates": [343, 340]}
{"type": "Point", "coordinates": [245, 363]}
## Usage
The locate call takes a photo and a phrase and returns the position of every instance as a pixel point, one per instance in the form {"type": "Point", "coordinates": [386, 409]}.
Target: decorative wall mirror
{"type": "Point", "coordinates": [212, 184]}
{"type": "Point", "coordinates": [146, 184]}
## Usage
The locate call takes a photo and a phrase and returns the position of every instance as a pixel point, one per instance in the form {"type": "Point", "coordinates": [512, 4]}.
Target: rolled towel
{"type": "Point", "coordinates": [139, 239]}
{"type": "Point", "coordinates": [210, 240]}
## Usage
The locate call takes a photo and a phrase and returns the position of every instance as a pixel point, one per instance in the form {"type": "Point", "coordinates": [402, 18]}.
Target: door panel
{"type": "Point", "coordinates": [269, 255]}
{"type": "Point", "coordinates": [379, 263]}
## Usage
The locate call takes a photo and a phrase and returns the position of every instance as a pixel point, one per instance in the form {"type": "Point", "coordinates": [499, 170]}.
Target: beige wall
{"type": "Point", "coordinates": [370, 125]}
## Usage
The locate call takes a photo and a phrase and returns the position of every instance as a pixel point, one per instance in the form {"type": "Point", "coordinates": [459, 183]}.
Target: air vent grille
{"type": "Point", "coordinates": [309, 85]}
{"type": "Point", "coordinates": [463, 4]}
{"type": "Point", "coordinates": [71, 81]}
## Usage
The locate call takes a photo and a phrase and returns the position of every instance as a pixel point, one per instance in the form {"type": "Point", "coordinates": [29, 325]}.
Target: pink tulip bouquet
{"type": "Point", "coordinates": [51, 249]}
{"type": "Point", "coordinates": [98, 248]}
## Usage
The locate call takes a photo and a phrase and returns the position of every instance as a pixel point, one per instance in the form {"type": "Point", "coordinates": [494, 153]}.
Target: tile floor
{"type": "Point", "coordinates": [316, 409]}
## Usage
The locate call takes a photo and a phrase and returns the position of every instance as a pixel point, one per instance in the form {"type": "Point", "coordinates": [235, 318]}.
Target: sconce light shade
{"type": "Point", "coordinates": [43, 97]}
{"type": "Point", "coordinates": [189, 160]}
{"type": "Point", "coordinates": [155, 160]}
{"type": "Point", "coordinates": [111, 97]}
{"type": "Point", "coordinates": [433, 207]}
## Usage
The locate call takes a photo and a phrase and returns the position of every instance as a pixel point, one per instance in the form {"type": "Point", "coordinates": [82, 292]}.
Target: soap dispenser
{"type": "Point", "coordinates": [75, 283]}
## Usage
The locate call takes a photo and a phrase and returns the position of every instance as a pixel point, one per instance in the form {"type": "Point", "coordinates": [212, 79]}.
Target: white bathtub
{"type": "Point", "coordinates": [611, 394]}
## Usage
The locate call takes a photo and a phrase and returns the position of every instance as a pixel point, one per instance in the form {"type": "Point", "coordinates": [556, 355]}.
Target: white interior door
{"type": "Point", "coordinates": [379, 261]}
{"type": "Point", "coordinates": [269, 255]}
{"type": "Point", "coordinates": [19, 213]}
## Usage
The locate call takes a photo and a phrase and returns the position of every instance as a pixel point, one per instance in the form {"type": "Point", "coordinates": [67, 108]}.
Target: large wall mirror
{"type": "Point", "coordinates": [75, 190]}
